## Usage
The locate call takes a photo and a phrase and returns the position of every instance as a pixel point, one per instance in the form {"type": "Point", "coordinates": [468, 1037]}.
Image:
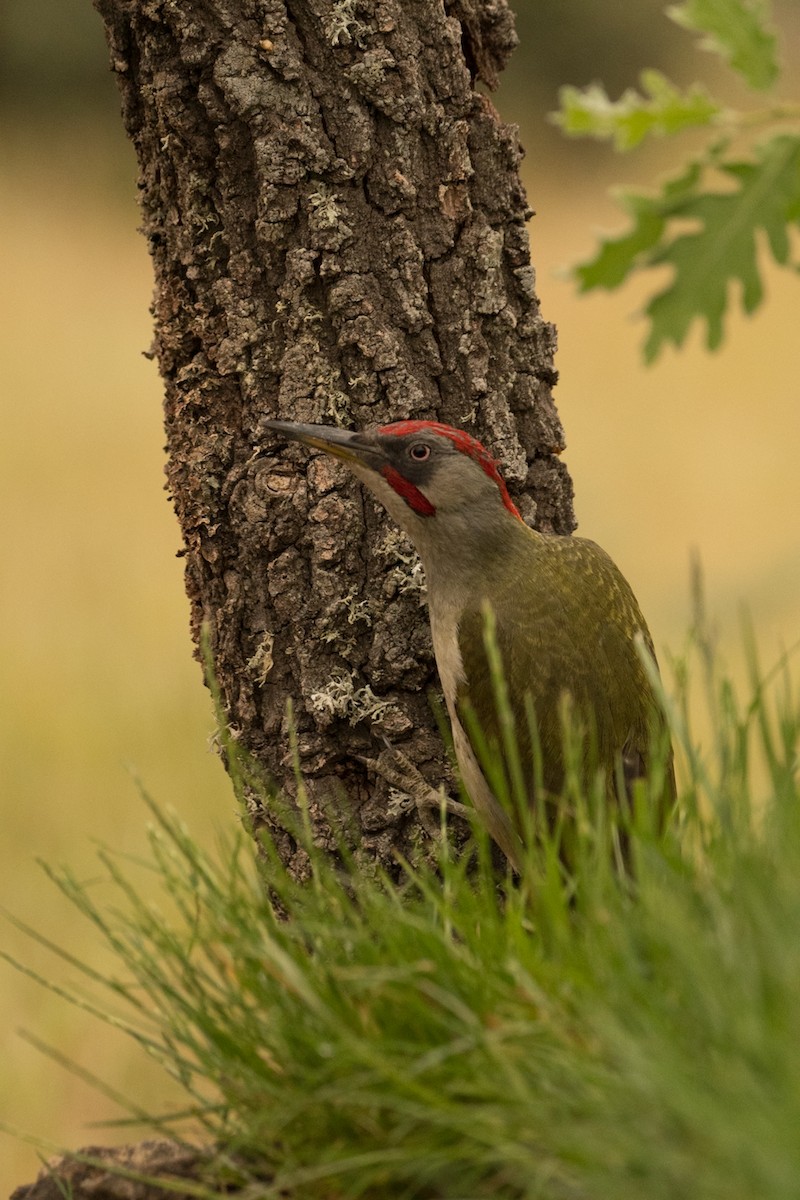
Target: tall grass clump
{"type": "Point", "coordinates": [612, 1029]}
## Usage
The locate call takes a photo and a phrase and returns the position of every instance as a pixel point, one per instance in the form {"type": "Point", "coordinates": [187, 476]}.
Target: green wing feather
{"type": "Point", "coordinates": [566, 622]}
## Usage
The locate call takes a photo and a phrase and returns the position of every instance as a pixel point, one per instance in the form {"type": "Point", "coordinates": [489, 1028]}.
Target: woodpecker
{"type": "Point", "coordinates": [566, 620]}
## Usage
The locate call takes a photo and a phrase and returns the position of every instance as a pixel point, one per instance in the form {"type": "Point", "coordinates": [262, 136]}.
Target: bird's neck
{"type": "Point", "coordinates": [464, 566]}
{"type": "Point", "coordinates": [470, 556]}
{"type": "Point", "coordinates": [461, 549]}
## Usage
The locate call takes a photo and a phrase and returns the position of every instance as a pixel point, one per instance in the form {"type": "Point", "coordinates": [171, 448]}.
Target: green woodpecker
{"type": "Point", "coordinates": [566, 619]}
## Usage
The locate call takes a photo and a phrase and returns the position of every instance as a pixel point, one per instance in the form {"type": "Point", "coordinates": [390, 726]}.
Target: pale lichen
{"type": "Point", "coordinates": [341, 698]}
{"type": "Point", "coordinates": [262, 661]}
{"type": "Point", "coordinates": [344, 27]}
{"type": "Point", "coordinates": [355, 610]}
{"type": "Point", "coordinates": [407, 575]}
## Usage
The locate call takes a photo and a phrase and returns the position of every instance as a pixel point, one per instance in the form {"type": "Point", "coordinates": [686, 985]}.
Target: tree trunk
{"type": "Point", "coordinates": [337, 227]}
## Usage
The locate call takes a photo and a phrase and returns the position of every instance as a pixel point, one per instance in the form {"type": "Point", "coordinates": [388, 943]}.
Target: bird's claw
{"type": "Point", "coordinates": [399, 772]}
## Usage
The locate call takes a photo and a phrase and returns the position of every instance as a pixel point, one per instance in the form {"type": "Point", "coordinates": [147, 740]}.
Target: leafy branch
{"type": "Point", "coordinates": [731, 204]}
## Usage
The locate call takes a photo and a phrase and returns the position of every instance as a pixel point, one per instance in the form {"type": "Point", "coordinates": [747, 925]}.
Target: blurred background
{"type": "Point", "coordinates": [97, 681]}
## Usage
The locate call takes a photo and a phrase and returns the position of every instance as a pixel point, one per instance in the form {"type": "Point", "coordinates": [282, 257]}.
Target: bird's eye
{"type": "Point", "coordinates": [419, 451]}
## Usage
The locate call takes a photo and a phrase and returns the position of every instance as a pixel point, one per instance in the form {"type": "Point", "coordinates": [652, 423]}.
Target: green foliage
{"type": "Point", "coordinates": [720, 247]}
{"type": "Point", "coordinates": [726, 200]}
{"type": "Point", "coordinates": [588, 1033]}
{"type": "Point", "coordinates": [738, 30]}
{"type": "Point", "coordinates": [663, 109]}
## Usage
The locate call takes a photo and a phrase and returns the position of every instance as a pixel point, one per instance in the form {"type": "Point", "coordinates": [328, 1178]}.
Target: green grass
{"type": "Point", "coordinates": [597, 1033]}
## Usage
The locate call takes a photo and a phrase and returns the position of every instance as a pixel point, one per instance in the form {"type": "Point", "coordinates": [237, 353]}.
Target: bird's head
{"type": "Point", "coordinates": [426, 474]}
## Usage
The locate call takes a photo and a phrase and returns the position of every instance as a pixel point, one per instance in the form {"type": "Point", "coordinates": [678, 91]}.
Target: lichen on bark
{"type": "Point", "coordinates": [338, 233]}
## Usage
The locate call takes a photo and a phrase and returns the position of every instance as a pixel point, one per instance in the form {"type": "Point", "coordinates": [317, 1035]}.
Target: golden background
{"type": "Point", "coordinates": [697, 455]}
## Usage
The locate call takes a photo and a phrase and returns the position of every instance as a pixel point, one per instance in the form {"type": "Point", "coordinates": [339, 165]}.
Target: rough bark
{"type": "Point", "coordinates": [121, 1173]}
{"type": "Point", "coordinates": [337, 228]}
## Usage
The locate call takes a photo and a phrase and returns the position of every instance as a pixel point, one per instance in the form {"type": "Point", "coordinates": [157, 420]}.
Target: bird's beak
{"type": "Point", "coordinates": [354, 448]}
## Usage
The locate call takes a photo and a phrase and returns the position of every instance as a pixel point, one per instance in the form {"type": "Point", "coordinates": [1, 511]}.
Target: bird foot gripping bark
{"type": "Point", "coordinates": [398, 771]}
